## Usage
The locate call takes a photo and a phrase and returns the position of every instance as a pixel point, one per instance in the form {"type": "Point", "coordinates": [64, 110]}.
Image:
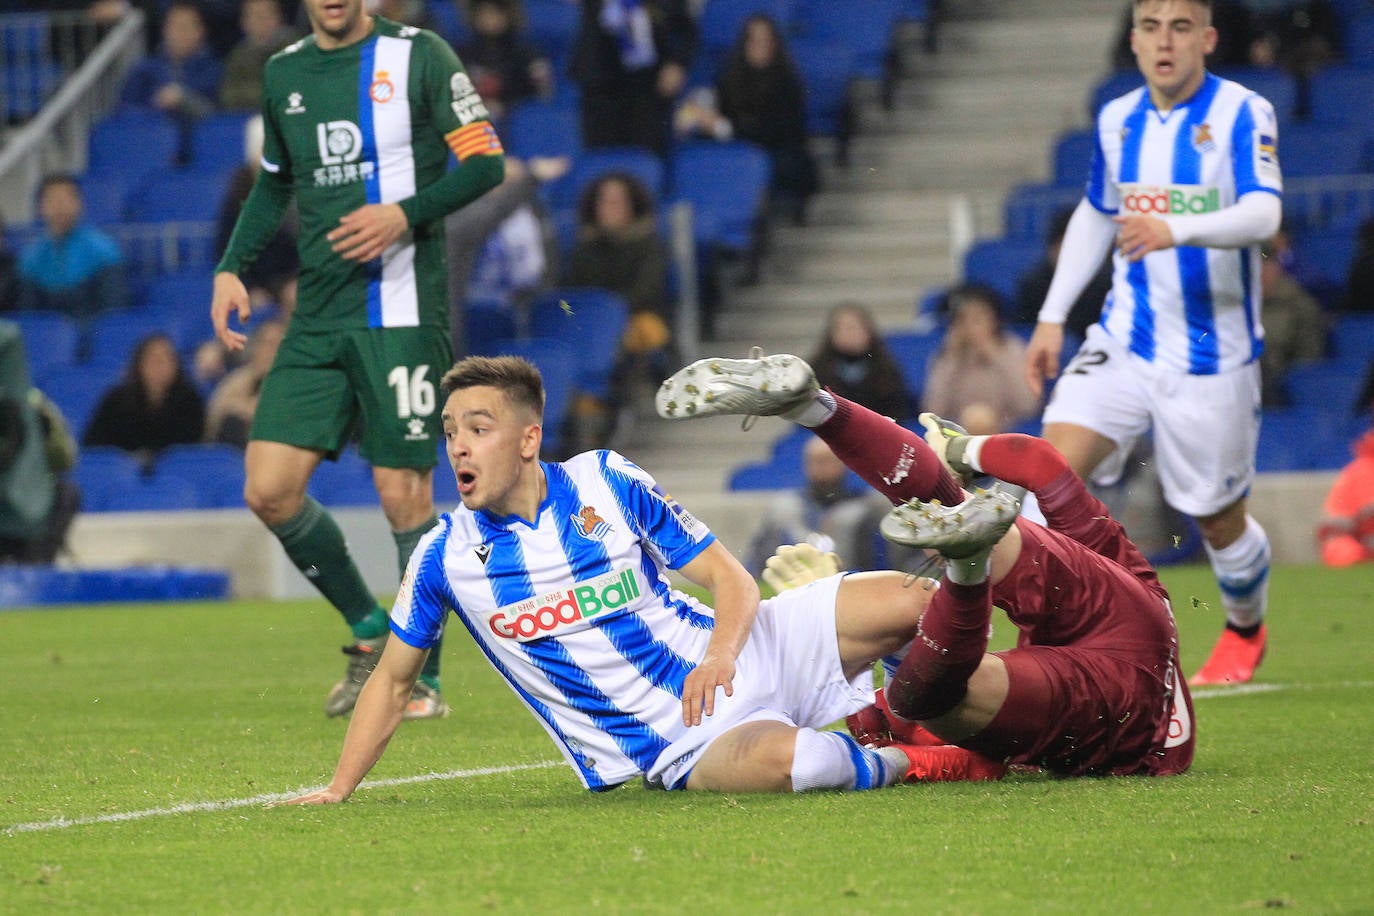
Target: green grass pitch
{"type": "Point", "coordinates": [139, 743]}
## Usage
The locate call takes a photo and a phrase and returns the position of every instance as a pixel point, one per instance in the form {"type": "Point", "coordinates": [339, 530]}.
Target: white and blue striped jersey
{"type": "Point", "coordinates": [1189, 309]}
{"type": "Point", "coordinates": [575, 611]}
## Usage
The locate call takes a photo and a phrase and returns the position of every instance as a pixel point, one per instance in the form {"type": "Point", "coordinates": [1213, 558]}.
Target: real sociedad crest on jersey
{"type": "Point", "coordinates": [590, 525]}
{"type": "Point", "coordinates": [1202, 138]}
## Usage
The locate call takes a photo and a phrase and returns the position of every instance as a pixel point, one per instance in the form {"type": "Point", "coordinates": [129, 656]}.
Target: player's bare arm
{"type": "Point", "coordinates": [1137, 236]}
{"type": "Point", "coordinates": [1042, 355]}
{"type": "Point", "coordinates": [230, 296]}
{"type": "Point", "coordinates": [735, 597]}
{"type": "Point", "coordinates": [374, 721]}
{"type": "Point", "coordinates": [368, 231]}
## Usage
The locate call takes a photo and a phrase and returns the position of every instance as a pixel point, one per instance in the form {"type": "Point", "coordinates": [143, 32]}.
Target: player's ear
{"type": "Point", "coordinates": [530, 441]}
{"type": "Point", "coordinates": [1209, 40]}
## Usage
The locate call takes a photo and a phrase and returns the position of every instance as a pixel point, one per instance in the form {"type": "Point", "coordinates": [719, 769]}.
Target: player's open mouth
{"type": "Point", "coordinates": [466, 481]}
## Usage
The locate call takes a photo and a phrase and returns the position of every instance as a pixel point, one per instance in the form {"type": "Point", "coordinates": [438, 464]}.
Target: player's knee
{"type": "Point", "coordinates": [272, 505]}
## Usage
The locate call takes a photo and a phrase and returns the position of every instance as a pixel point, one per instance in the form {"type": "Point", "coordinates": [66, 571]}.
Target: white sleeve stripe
{"type": "Point", "coordinates": [269, 166]}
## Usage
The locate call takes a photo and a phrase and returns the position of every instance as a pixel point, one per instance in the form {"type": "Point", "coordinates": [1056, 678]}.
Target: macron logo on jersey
{"type": "Point", "coordinates": [1169, 200]}
{"type": "Point", "coordinates": [567, 609]}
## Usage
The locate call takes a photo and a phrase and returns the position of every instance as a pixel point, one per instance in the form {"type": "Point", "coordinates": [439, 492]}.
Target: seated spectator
{"type": "Point", "coordinates": [1345, 534]}
{"type": "Point", "coordinates": [182, 78]}
{"type": "Point", "coordinates": [37, 500]}
{"type": "Point", "coordinates": [74, 267]}
{"type": "Point", "coordinates": [853, 360]}
{"type": "Point", "coordinates": [1359, 282]}
{"type": "Point", "coordinates": [1034, 285]}
{"type": "Point", "coordinates": [153, 406]}
{"type": "Point", "coordinates": [618, 248]}
{"type": "Point", "coordinates": [831, 512]}
{"type": "Point", "coordinates": [265, 32]}
{"type": "Point", "coordinates": [1300, 36]}
{"type": "Point", "coordinates": [761, 99]}
{"type": "Point", "coordinates": [1295, 325]}
{"type": "Point", "coordinates": [630, 59]}
{"type": "Point", "coordinates": [504, 67]}
{"type": "Point", "coordinates": [978, 377]}
{"type": "Point", "coordinates": [230, 412]}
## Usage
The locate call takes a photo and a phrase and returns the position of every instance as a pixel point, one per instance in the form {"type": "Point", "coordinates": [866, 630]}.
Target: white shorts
{"type": "Point", "coordinates": [1206, 427]}
{"type": "Point", "coordinates": [789, 671]}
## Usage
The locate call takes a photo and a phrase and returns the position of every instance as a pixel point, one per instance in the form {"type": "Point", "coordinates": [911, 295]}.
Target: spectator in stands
{"type": "Point", "coordinates": [761, 99]}
{"type": "Point", "coordinates": [1295, 324]}
{"type": "Point", "coordinates": [265, 32]}
{"type": "Point", "coordinates": [1301, 36]}
{"type": "Point", "coordinates": [230, 412]}
{"type": "Point", "coordinates": [1359, 282]}
{"type": "Point", "coordinates": [182, 78]}
{"type": "Point", "coordinates": [978, 376]}
{"type": "Point", "coordinates": [468, 230]}
{"type": "Point", "coordinates": [153, 406]}
{"type": "Point", "coordinates": [74, 267]}
{"type": "Point", "coordinates": [831, 511]}
{"type": "Point", "coordinates": [505, 68]}
{"type": "Point", "coordinates": [853, 360]}
{"type": "Point", "coordinates": [618, 248]}
{"type": "Point", "coordinates": [1034, 284]}
{"type": "Point", "coordinates": [630, 59]}
{"type": "Point", "coordinates": [410, 12]}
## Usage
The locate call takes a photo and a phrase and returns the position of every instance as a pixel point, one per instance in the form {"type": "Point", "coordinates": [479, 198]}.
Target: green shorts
{"type": "Point", "coordinates": [382, 383]}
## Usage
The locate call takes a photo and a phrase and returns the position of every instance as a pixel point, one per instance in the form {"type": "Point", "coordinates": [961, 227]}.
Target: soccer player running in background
{"type": "Point", "coordinates": [1092, 687]}
{"type": "Point", "coordinates": [360, 118]}
{"type": "Point", "coordinates": [558, 571]}
{"type": "Point", "coordinates": [1185, 182]}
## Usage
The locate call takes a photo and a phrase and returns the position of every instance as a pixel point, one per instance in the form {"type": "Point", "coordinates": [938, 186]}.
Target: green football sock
{"type": "Point", "coordinates": [405, 546]}
{"type": "Point", "coordinates": [375, 624]}
{"type": "Point", "coordinates": [316, 546]}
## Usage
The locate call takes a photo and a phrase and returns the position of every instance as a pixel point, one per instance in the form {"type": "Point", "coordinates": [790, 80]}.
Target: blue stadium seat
{"type": "Point", "coordinates": [167, 492]}
{"type": "Point", "coordinates": [1358, 39]}
{"type": "Point", "coordinates": [182, 293]}
{"type": "Point", "coordinates": [1306, 150]}
{"type": "Point", "coordinates": [113, 335]}
{"type": "Point", "coordinates": [1030, 208]}
{"type": "Point", "coordinates": [540, 128]}
{"type": "Point", "coordinates": [999, 263]}
{"type": "Point", "coordinates": [133, 143]}
{"type": "Point", "coordinates": [866, 28]}
{"type": "Point", "coordinates": [104, 471]}
{"type": "Point", "coordinates": [1343, 95]}
{"type": "Point", "coordinates": [345, 482]}
{"type": "Point", "coordinates": [446, 18]}
{"type": "Point", "coordinates": [485, 323]}
{"type": "Point", "coordinates": [766, 475]}
{"type": "Point", "coordinates": [105, 197]}
{"type": "Point", "coordinates": [217, 142]}
{"type": "Point", "coordinates": [1073, 155]}
{"type": "Point", "coordinates": [551, 26]}
{"type": "Point", "coordinates": [1353, 337]}
{"type": "Point", "coordinates": [564, 193]}
{"type": "Point", "coordinates": [76, 390]}
{"type": "Point", "coordinates": [721, 21]}
{"type": "Point", "coordinates": [1112, 86]}
{"type": "Point", "coordinates": [1323, 261]}
{"type": "Point", "coordinates": [727, 186]}
{"type": "Point", "coordinates": [1328, 388]}
{"type": "Point", "coordinates": [52, 340]}
{"type": "Point", "coordinates": [216, 471]}
{"type": "Point", "coordinates": [913, 353]}
{"type": "Point", "coordinates": [558, 363]}
{"type": "Point", "coordinates": [592, 321]}
{"type": "Point", "coordinates": [183, 195]}
{"type": "Point", "coordinates": [827, 68]}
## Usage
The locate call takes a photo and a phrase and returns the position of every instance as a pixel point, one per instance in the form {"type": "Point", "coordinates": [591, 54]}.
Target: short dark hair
{"type": "Point", "coordinates": [515, 376]}
{"type": "Point", "coordinates": [55, 178]}
{"type": "Point", "coordinates": [641, 200]}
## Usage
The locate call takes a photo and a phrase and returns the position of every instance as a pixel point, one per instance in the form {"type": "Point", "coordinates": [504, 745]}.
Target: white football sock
{"type": "Point", "coordinates": [834, 760]}
{"type": "Point", "coordinates": [1242, 571]}
{"type": "Point", "coordinates": [814, 412]}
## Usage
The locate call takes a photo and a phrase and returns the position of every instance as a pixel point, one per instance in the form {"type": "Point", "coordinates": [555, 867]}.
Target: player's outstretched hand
{"type": "Point", "coordinates": [229, 296]}
{"type": "Point", "coordinates": [1042, 355]}
{"type": "Point", "coordinates": [368, 231]}
{"type": "Point", "coordinates": [797, 564]}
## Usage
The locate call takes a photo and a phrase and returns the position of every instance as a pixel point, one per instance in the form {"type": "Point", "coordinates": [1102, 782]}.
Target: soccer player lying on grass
{"type": "Point", "coordinates": [559, 572]}
{"type": "Point", "coordinates": [1092, 686]}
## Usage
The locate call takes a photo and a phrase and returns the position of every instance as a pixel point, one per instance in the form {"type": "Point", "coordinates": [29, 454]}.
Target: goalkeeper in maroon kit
{"type": "Point", "coordinates": [1093, 684]}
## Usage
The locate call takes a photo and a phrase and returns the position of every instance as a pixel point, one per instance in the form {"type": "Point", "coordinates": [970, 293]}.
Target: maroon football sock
{"type": "Point", "coordinates": [950, 641]}
{"type": "Point", "coordinates": [892, 459]}
{"type": "Point", "coordinates": [1023, 460]}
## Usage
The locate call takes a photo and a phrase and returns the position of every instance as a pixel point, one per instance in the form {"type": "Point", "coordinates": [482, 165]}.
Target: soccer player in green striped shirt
{"type": "Point", "coordinates": [360, 119]}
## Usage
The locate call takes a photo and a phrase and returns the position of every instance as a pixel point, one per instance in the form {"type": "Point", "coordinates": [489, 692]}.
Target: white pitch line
{"type": "Point", "coordinates": [1241, 690]}
{"type": "Point", "coordinates": [62, 823]}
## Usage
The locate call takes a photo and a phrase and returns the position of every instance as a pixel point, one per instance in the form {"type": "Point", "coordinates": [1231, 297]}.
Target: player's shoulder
{"type": "Point", "coordinates": [291, 53]}
{"type": "Point", "coordinates": [422, 38]}
{"type": "Point", "coordinates": [1115, 111]}
{"type": "Point", "coordinates": [1231, 95]}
